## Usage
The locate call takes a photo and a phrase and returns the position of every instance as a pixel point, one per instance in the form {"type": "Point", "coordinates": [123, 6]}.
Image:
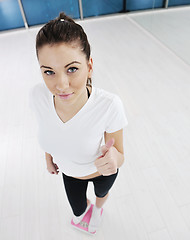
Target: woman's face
{"type": "Point", "coordinates": [65, 70]}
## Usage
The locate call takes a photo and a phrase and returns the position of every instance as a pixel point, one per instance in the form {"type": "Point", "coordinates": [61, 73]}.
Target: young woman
{"type": "Point", "coordinates": [74, 116]}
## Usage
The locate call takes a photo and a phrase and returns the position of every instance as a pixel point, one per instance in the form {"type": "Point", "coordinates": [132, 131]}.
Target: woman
{"type": "Point", "coordinates": [74, 116]}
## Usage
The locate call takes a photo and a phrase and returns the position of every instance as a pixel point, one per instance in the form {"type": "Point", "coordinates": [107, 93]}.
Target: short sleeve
{"type": "Point", "coordinates": [116, 118]}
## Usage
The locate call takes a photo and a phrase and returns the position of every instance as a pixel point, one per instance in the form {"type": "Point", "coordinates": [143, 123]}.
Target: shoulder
{"type": "Point", "coordinates": [38, 94]}
{"type": "Point", "coordinates": [37, 88]}
{"type": "Point", "coordinates": [106, 96]}
{"type": "Point", "coordinates": [39, 91]}
{"type": "Point", "coordinates": [114, 101]}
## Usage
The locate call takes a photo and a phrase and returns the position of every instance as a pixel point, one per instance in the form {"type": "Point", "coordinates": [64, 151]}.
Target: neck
{"type": "Point", "coordinates": [74, 105]}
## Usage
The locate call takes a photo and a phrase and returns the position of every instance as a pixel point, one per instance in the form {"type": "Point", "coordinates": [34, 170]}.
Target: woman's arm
{"type": "Point", "coordinates": [51, 166]}
{"type": "Point", "coordinates": [49, 158]}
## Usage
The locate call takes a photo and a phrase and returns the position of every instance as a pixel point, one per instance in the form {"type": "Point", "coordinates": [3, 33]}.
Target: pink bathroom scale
{"type": "Point", "coordinates": [83, 225]}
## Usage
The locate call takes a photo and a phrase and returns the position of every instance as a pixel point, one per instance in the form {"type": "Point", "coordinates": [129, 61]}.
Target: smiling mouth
{"type": "Point", "coordinates": [65, 94]}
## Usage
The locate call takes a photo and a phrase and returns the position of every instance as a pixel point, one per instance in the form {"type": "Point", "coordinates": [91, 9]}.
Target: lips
{"type": "Point", "coordinates": [65, 94]}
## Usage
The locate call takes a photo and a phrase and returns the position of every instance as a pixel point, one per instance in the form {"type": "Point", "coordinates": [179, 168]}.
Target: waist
{"type": "Point", "coordinates": [96, 174]}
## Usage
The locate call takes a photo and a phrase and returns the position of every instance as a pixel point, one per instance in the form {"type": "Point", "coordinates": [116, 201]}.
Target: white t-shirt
{"type": "Point", "coordinates": [75, 145]}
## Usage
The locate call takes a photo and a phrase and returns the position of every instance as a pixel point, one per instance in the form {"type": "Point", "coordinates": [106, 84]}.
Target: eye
{"type": "Point", "coordinates": [73, 69]}
{"type": "Point", "coordinates": [48, 72]}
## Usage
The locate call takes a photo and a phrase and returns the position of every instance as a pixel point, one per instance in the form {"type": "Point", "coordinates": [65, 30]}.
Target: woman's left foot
{"type": "Point", "coordinates": [95, 220]}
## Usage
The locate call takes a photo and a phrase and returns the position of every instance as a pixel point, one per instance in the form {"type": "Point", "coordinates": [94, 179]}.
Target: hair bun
{"type": "Point", "coordinates": [63, 16]}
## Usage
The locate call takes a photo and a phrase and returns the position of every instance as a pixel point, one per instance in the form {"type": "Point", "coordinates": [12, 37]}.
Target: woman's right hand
{"type": "Point", "coordinates": [52, 168]}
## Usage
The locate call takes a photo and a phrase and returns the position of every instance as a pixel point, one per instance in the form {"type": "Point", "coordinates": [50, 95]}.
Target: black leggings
{"type": "Point", "coordinates": [76, 190]}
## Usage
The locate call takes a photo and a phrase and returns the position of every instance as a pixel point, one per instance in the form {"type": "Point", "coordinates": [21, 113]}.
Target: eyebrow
{"type": "Point", "coordinates": [65, 65]}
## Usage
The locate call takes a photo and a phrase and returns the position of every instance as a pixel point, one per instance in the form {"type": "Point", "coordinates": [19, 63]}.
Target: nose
{"type": "Point", "coordinates": [62, 83]}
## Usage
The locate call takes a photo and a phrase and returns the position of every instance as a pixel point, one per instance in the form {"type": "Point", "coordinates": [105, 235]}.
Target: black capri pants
{"type": "Point", "coordinates": [76, 190]}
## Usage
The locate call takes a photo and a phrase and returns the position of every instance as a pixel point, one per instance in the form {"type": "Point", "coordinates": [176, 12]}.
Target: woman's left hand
{"type": "Point", "coordinates": [107, 163]}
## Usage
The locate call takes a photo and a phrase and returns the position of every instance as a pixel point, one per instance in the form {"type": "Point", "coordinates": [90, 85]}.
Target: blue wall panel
{"type": "Point", "coordinates": [10, 16]}
{"type": "Point", "coordinates": [133, 5]}
{"type": "Point", "coordinates": [101, 7]}
{"type": "Point", "coordinates": [42, 11]}
{"type": "Point", "coordinates": [178, 2]}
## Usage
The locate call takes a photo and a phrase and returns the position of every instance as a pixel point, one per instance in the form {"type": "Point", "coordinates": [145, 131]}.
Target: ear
{"type": "Point", "coordinates": [90, 67]}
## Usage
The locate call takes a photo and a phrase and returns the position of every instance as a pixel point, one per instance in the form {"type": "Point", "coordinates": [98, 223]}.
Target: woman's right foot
{"type": "Point", "coordinates": [78, 219]}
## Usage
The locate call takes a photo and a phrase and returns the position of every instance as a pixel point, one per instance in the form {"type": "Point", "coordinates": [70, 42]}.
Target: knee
{"type": "Point", "coordinates": [102, 195]}
{"type": "Point", "coordinates": [78, 211]}
{"type": "Point", "coordinates": [79, 208]}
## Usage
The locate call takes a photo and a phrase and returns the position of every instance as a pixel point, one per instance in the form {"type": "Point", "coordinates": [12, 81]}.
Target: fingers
{"type": "Point", "coordinates": [56, 166]}
{"type": "Point", "coordinates": [53, 169]}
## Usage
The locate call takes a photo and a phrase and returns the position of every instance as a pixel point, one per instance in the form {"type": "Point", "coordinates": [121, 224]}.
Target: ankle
{"type": "Point", "coordinates": [88, 202]}
{"type": "Point", "coordinates": [97, 207]}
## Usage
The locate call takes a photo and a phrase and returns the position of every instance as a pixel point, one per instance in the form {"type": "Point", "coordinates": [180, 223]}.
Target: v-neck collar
{"type": "Point", "coordinates": [74, 118]}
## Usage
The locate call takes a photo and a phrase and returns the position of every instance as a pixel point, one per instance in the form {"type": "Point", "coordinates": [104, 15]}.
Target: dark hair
{"type": "Point", "coordinates": [63, 29]}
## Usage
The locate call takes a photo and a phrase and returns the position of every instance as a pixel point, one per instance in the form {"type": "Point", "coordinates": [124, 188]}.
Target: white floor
{"type": "Point", "coordinates": [151, 197]}
{"type": "Point", "coordinates": [171, 27]}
